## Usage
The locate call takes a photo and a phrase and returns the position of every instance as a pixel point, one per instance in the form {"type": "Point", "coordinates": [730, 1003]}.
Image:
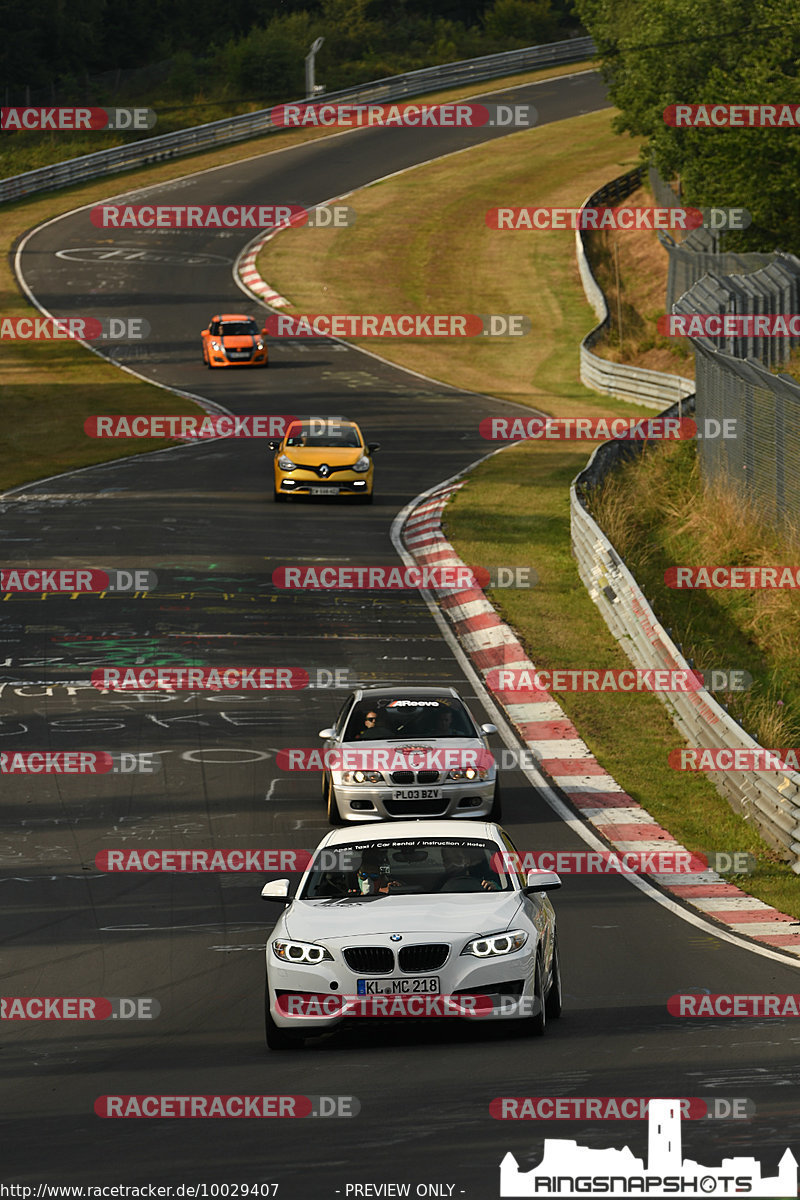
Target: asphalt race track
{"type": "Point", "coordinates": [202, 517]}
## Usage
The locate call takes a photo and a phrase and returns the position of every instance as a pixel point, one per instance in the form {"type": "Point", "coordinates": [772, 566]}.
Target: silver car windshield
{"type": "Point", "coordinates": [418, 866]}
{"type": "Point", "coordinates": [393, 717]}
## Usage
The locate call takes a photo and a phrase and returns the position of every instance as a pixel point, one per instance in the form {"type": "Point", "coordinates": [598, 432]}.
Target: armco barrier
{"type": "Point", "coordinates": [236, 129]}
{"type": "Point", "coordinates": [637, 384]}
{"type": "Point", "coordinates": [771, 801]}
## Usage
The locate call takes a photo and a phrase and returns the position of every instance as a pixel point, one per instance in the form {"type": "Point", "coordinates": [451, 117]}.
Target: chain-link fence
{"type": "Point", "coordinates": [734, 381]}
{"type": "Point", "coordinates": [698, 255]}
{"type": "Point", "coordinates": [699, 251]}
{"type": "Point", "coordinates": [763, 458]}
{"type": "Point", "coordinates": [770, 800]}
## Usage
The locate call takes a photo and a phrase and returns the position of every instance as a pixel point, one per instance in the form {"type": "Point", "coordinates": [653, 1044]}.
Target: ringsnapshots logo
{"type": "Point", "coordinates": [79, 1008]}
{"type": "Point", "coordinates": [187, 428]}
{"type": "Point", "coordinates": [567, 1169]}
{"type": "Point", "coordinates": [408, 326]}
{"type": "Point", "coordinates": [18, 120]}
{"type": "Point", "coordinates": [732, 116]}
{"type": "Point", "coordinates": [200, 1106]}
{"type": "Point", "coordinates": [83, 329]}
{"type": "Point", "coordinates": [461, 115]}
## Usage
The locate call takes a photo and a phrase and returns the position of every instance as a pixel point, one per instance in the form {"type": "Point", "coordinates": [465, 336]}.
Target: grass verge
{"type": "Point", "coordinates": [658, 512]}
{"type": "Point", "coordinates": [631, 267]}
{"type": "Point", "coordinates": [43, 435]}
{"type": "Point", "coordinates": [423, 235]}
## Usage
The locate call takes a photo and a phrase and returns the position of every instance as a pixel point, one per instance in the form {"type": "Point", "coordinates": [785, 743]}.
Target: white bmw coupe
{"type": "Point", "coordinates": [414, 919]}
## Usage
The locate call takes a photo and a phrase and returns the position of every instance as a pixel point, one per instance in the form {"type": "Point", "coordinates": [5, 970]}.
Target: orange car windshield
{"type": "Point", "coordinates": [238, 328]}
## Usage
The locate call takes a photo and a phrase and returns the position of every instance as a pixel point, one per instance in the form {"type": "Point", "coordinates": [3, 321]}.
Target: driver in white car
{"type": "Point", "coordinates": [464, 866]}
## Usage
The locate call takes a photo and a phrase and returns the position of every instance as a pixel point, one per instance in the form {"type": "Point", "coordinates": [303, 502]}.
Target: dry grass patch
{"type": "Point", "coordinates": [421, 243]}
{"type": "Point", "coordinates": [631, 267]}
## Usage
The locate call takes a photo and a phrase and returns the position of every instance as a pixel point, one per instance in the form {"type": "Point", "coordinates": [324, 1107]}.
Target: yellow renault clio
{"type": "Point", "coordinates": [323, 456]}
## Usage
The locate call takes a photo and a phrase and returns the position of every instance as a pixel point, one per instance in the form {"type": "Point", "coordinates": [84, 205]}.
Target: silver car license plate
{"type": "Point", "coordinates": [424, 985]}
{"type": "Point", "coordinates": [324, 491]}
{"type": "Point", "coordinates": [417, 794]}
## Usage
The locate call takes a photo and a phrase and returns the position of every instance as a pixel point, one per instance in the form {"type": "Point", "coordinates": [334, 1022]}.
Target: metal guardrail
{"type": "Point", "coordinates": [248, 125]}
{"type": "Point", "coordinates": [639, 385]}
{"type": "Point", "coordinates": [771, 801]}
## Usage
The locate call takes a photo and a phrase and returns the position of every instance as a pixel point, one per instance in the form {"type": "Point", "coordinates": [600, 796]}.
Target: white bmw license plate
{"type": "Point", "coordinates": [424, 985]}
{"type": "Point", "coordinates": [417, 794]}
{"type": "Point", "coordinates": [324, 491]}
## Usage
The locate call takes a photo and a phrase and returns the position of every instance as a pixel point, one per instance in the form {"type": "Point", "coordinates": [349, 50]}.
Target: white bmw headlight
{"type": "Point", "coordinates": [468, 773]}
{"type": "Point", "coordinates": [362, 464]}
{"type": "Point", "coordinates": [286, 464]}
{"type": "Point", "coordinates": [496, 944]}
{"type": "Point", "coordinates": [300, 952]}
{"type": "Point", "coordinates": [362, 777]}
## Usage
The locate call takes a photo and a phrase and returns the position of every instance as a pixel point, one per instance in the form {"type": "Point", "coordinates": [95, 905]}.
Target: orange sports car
{"type": "Point", "coordinates": [234, 340]}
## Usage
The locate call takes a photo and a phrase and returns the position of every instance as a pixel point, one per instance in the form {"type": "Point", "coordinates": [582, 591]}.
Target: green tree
{"type": "Point", "coordinates": [707, 52]}
{"type": "Point", "coordinates": [526, 22]}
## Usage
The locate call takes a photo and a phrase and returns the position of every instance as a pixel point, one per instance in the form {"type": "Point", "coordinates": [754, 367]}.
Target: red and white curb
{"type": "Point", "coordinates": [249, 275]}
{"type": "Point", "coordinates": [564, 758]}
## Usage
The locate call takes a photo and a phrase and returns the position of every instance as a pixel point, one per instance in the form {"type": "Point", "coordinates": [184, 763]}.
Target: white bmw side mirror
{"type": "Point", "coordinates": [541, 881]}
{"type": "Point", "coordinates": [276, 889]}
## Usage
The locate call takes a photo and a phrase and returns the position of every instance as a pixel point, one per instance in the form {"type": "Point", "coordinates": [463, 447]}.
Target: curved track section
{"type": "Point", "coordinates": [202, 518]}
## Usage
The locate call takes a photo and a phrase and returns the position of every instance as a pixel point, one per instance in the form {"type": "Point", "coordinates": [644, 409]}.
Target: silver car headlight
{"type": "Point", "coordinates": [468, 774]}
{"type": "Point", "coordinates": [362, 777]}
{"type": "Point", "coordinates": [259, 345]}
{"type": "Point", "coordinates": [307, 953]}
{"type": "Point", "coordinates": [216, 346]}
{"type": "Point", "coordinates": [495, 945]}
{"type": "Point", "coordinates": [286, 464]}
{"type": "Point", "coordinates": [362, 464]}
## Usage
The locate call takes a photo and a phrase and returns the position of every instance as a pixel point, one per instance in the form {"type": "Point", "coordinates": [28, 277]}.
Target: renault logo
{"type": "Point", "coordinates": [324, 470]}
